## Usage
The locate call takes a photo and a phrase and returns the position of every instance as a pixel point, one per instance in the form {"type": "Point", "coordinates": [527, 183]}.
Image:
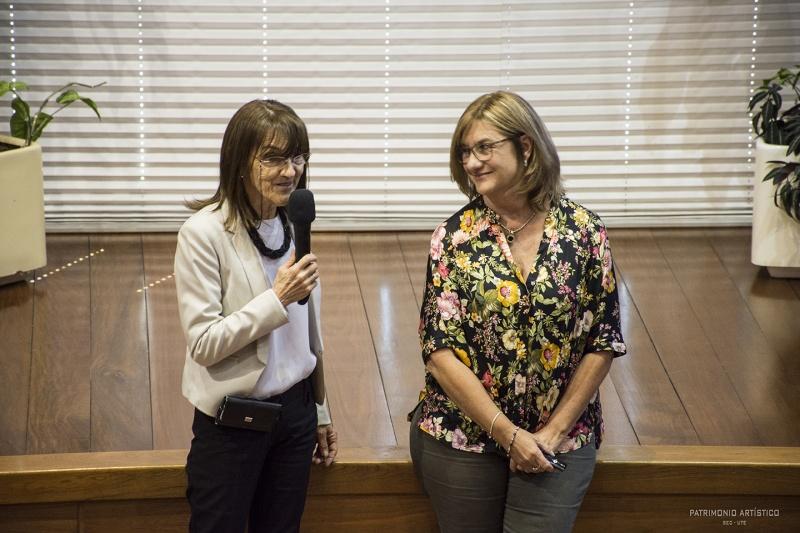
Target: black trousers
{"type": "Point", "coordinates": [238, 476]}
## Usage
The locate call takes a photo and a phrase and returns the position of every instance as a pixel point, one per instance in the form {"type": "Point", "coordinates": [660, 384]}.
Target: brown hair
{"type": "Point", "coordinates": [512, 116]}
{"type": "Point", "coordinates": [254, 124]}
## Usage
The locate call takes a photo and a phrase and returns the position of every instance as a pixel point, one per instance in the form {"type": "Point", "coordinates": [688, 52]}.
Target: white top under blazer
{"type": "Point", "coordinates": [291, 358]}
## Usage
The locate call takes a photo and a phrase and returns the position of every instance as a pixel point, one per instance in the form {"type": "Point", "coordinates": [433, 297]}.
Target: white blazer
{"type": "Point", "coordinates": [227, 309]}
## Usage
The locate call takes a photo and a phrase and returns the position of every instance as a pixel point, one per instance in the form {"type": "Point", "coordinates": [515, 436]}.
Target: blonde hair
{"type": "Point", "coordinates": [513, 117]}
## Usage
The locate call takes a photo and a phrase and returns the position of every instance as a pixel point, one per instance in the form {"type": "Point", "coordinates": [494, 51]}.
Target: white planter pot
{"type": "Point", "coordinates": [21, 210]}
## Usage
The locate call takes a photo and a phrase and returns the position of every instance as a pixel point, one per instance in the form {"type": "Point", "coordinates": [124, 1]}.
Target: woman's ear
{"type": "Point", "coordinates": [527, 147]}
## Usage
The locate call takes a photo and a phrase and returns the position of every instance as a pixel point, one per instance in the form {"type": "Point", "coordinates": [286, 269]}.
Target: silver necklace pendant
{"type": "Point", "coordinates": [509, 233]}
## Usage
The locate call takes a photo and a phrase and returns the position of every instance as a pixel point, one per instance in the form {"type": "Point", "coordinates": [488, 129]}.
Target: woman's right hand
{"type": "Point", "coordinates": [295, 280]}
{"type": "Point", "coordinates": [526, 454]}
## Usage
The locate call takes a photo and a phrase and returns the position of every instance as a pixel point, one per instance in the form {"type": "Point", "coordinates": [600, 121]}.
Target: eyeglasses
{"type": "Point", "coordinates": [298, 161]}
{"type": "Point", "coordinates": [482, 151]}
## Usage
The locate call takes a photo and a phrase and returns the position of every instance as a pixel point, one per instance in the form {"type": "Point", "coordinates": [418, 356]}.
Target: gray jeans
{"type": "Point", "coordinates": [476, 492]}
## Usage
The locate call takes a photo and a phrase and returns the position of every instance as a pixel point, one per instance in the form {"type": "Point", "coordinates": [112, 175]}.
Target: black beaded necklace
{"type": "Point", "coordinates": [269, 252]}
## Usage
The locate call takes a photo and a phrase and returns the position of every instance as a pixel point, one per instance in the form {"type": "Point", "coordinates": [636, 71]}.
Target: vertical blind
{"type": "Point", "coordinates": [646, 100]}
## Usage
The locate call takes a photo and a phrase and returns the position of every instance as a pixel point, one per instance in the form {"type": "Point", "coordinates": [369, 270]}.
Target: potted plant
{"type": "Point", "coordinates": [22, 236]}
{"type": "Point", "coordinates": [776, 193]}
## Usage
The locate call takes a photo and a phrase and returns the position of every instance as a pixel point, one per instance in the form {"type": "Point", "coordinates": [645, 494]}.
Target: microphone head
{"type": "Point", "coordinates": [301, 207]}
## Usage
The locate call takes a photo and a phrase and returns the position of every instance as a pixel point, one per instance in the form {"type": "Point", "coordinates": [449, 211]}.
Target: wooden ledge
{"type": "Point", "coordinates": [739, 470]}
{"type": "Point", "coordinates": [69, 477]}
{"type": "Point", "coordinates": [157, 474]}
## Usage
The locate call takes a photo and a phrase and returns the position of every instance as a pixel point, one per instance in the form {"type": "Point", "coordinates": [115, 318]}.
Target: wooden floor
{"type": "Point", "coordinates": [92, 360]}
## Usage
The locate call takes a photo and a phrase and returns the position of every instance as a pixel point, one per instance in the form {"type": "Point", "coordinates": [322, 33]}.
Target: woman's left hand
{"type": "Point", "coordinates": [326, 449]}
{"type": "Point", "coordinates": [549, 441]}
{"type": "Point", "coordinates": [528, 449]}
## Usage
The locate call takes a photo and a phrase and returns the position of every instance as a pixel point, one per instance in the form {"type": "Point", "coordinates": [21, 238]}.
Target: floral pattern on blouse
{"type": "Point", "coordinates": [523, 338]}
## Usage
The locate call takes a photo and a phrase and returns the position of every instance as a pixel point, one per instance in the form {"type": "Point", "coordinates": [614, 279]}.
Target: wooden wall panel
{"type": "Point", "coordinates": [413, 514]}
{"type": "Point", "coordinates": [705, 390]}
{"type": "Point", "coordinates": [352, 377]}
{"type": "Point", "coordinates": [743, 352]}
{"type": "Point", "coordinates": [136, 516]}
{"type": "Point", "coordinates": [40, 518]}
{"type": "Point", "coordinates": [395, 513]}
{"type": "Point", "coordinates": [393, 320]}
{"type": "Point", "coordinates": [172, 413]}
{"type": "Point", "coordinates": [16, 336]}
{"type": "Point", "coordinates": [58, 419]}
{"type": "Point", "coordinates": [610, 512]}
{"type": "Point", "coordinates": [635, 488]}
{"type": "Point", "coordinates": [67, 477]}
{"type": "Point", "coordinates": [644, 387]}
{"type": "Point", "coordinates": [120, 412]}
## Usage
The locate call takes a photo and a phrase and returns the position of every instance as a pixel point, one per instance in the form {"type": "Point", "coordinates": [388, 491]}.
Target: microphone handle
{"type": "Point", "coordinates": [302, 246]}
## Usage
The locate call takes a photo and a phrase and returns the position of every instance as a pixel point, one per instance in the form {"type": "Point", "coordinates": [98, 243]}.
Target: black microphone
{"type": "Point", "coordinates": [301, 213]}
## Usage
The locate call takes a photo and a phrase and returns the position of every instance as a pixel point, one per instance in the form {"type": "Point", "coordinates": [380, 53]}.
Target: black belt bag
{"type": "Point", "coordinates": [248, 413]}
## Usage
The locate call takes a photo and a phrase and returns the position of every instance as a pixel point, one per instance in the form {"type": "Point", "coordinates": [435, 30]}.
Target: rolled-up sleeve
{"type": "Point", "coordinates": [443, 308]}
{"type": "Point", "coordinates": [605, 333]}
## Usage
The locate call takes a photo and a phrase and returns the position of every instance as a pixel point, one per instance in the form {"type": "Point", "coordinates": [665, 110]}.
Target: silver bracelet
{"type": "Point", "coordinates": [513, 438]}
{"type": "Point", "coordinates": [491, 428]}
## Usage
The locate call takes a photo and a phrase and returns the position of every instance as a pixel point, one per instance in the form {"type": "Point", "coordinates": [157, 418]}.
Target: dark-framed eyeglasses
{"type": "Point", "coordinates": [483, 151]}
{"type": "Point", "coordinates": [299, 160]}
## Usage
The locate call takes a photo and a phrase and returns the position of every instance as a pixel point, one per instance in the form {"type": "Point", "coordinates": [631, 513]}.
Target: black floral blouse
{"type": "Point", "coordinates": [523, 339]}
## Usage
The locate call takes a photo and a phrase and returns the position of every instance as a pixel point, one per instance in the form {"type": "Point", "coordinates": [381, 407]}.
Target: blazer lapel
{"type": "Point", "coordinates": [248, 255]}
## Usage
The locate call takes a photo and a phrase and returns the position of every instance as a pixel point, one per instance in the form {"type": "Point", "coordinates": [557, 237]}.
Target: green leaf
{"type": "Point", "coordinates": [787, 191]}
{"type": "Point", "coordinates": [794, 147]}
{"type": "Point", "coordinates": [772, 133]}
{"type": "Point", "coordinates": [39, 122]}
{"type": "Point", "coordinates": [794, 204]}
{"type": "Point", "coordinates": [777, 174]}
{"type": "Point", "coordinates": [6, 86]}
{"type": "Point", "coordinates": [67, 97]}
{"type": "Point", "coordinates": [759, 131]}
{"type": "Point", "coordinates": [21, 120]}
{"type": "Point", "coordinates": [769, 110]}
{"type": "Point", "coordinates": [21, 107]}
{"type": "Point", "coordinates": [90, 103]}
{"type": "Point", "coordinates": [757, 97]}
{"type": "Point", "coordinates": [18, 127]}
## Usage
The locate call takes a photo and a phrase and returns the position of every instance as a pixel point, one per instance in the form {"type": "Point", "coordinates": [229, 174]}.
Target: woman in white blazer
{"type": "Point", "coordinates": [238, 287]}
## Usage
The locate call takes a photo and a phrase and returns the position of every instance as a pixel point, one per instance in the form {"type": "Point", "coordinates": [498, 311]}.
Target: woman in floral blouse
{"type": "Point", "coordinates": [519, 324]}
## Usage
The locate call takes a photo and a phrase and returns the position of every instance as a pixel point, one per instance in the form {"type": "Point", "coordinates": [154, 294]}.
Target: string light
{"type": "Point", "coordinates": [628, 71]}
{"type": "Point", "coordinates": [142, 151]}
{"type": "Point", "coordinates": [507, 47]}
{"type": "Point", "coordinates": [386, 99]}
{"type": "Point", "coordinates": [264, 42]}
{"type": "Point", "coordinates": [13, 45]}
{"type": "Point", "coordinates": [156, 282]}
{"type": "Point", "coordinates": [67, 265]}
{"type": "Point", "coordinates": [750, 132]}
